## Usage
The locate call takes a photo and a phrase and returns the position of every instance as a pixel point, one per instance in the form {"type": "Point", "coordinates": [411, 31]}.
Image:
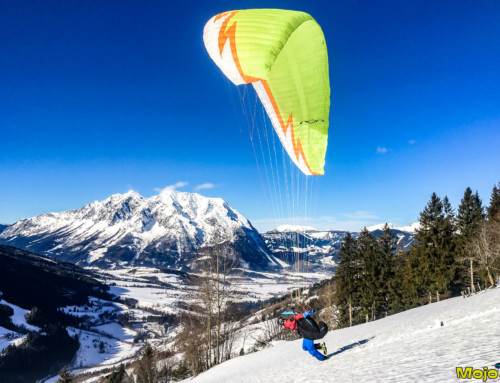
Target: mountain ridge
{"type": "Point", "coordinates": [3, 226]}
{"type": "Point", "coordinates": [318, 249]}
{"type": "Point", "coordinates": [169, 229]}
{"type": "Point", "coordinates": [175, 229]}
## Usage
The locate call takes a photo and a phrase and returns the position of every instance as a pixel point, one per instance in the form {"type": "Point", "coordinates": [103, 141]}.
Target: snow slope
{"type": "Point", "coordinates": [19, 317]}
{"type": "Point", "coordinates": [425, 344]}
{"type": "Point", "coordinates": [8, 337]}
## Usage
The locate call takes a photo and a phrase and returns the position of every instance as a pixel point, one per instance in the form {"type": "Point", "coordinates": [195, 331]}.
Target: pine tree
{"type": "Point", "coordinates": [390, 285]}
{"type": "Point", "coordinates": [470, 213]}
{"type": "Point", "coordinates": [347, 280]}
{"type": "Point", "coordinates": [117, 375]}
{"type": "Point", "coordinates": [469, 217]}
{"type": "Point", "coordinates": [396, 286]}
{"type": "Point", "coordinates": [446, 281]}
{"type": "Point", "coordinates": [65, 376]}
{"type": "Point", "coordinates": [494, 208]}
{"type": "Point", "coordinates": [146, 370]}
{"type": "Point", "coordinates": [371, 272]}
{"type": "Point", "coordinates": [432, 267]}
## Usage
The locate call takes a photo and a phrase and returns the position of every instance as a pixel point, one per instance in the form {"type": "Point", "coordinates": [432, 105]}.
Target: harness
{"type": "Point", "coordinates": [307, 328]}
{"type": "Point", "coordinates": [291, 323]}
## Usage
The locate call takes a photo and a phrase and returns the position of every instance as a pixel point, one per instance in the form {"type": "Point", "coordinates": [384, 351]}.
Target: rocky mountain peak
{"type": "Point", "coordinates": [168, 229]}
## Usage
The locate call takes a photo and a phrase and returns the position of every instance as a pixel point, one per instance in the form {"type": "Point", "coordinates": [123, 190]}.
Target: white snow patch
{"type": "Point", "coordinates": [92, 354]}
{"type": "Point", "coordinates": [96, 254]}
{"type": "Point", "coordinates": [409, 228]}
{"type": "Point", "coordinates": [116, 331]}
{"type": "Point", "coordinates": [8, 337]}
{"type": "Point", "coordinates": [19, 317]}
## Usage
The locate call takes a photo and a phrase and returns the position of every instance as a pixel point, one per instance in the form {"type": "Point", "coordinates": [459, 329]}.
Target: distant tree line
{"type": "Point", "coordinates": [453, 253]}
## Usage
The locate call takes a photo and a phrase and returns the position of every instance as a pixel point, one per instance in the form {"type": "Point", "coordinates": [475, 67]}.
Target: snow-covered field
{"type": "Point", "coordinates": [8, 337]}
{"type": "Point", "coordinates": [145, 285]}
{"type": "Point", "coordinates": [106, 344]}
{"type": "Point", "coordinates": [158, 292]}
{"type": "Point", "coordinates": [114, 350]}
{"type": "Point", "coordinates": [19, 317]}
{"type": "Point", "coordinates": [425, 344]}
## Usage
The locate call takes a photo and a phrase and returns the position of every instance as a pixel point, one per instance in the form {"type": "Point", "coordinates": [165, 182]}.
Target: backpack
{"type": "Point", "coordinates": [309, 329]}
{"type": "Point", "coordinates": [290, 324]}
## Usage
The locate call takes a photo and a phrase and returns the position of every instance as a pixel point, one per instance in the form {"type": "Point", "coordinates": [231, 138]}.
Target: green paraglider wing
{"type": "Point", "coordinates": [283, 55]}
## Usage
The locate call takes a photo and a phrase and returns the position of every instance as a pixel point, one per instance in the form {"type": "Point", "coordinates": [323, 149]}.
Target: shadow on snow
{"type": "Point", "coordinates": [350, 346]}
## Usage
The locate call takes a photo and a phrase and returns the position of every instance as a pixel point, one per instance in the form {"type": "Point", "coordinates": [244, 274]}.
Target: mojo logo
{"type": "Point", "coordinates": [483, 374]}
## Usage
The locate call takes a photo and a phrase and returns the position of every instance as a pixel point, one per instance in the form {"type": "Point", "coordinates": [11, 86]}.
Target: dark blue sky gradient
{"type": "Point", "coordinates": [99, 97]}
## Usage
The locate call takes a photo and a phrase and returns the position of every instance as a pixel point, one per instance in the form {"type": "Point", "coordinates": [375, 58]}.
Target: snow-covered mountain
{"type": "Point", "coordinates": [173, 229]}
{"type": "Point", "coordinates": [3, 227]}
{"type": "Point", "coordinates": [319, 248]}
{"type": "Point", "coordinates": [169, 229]}
{"type": "Point", "coordinates": [411, 228]}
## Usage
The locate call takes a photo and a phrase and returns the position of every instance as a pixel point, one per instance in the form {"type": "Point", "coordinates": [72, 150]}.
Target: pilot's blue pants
{"type": "Point", "coordinates": [308, 345]}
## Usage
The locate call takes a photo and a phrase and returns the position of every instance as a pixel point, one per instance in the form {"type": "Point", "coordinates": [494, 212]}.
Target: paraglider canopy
{"type": "Point", "coordinates": [283, 55]}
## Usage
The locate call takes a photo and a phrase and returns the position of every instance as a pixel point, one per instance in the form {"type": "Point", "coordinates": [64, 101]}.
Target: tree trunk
{"type": "Point", "coordinates": [350, 314]}
{"type": "Point", "coordinates": [490, 277]}
{"type": "Point", "coordinates": [208, 343]}
{"type": "Point", "coordinates": [471, 276]}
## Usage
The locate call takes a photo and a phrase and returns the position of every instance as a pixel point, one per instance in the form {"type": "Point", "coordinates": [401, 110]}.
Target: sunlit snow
{"type": "Point", "coordinates": [425, 344]}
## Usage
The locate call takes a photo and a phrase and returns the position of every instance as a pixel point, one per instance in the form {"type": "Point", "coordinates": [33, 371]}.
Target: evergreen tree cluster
{"type": "Point", "coordinates": [452, 253]}
{"type": "Point", "coordinates": [41, 354]}
{"type": "Point", "coordinates": [364, 277]}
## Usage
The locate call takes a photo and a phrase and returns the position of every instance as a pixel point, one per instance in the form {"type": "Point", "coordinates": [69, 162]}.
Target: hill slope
{"type": "Point", "coordinates": [3, 227]}
{"type": "Point", "coordinates": [32, 288]}
{"type": "Point", "coordinates": [425, 344]}
{"type": "Point", "coordinates": [28, 280]}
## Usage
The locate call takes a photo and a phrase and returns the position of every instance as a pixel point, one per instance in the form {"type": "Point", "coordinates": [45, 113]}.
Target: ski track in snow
{"type": "Point", "coordinates": [425, 344]}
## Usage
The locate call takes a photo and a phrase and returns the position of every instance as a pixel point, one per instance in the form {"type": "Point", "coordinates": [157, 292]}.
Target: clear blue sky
{"type": "Point", "coordinates": [100, 97]}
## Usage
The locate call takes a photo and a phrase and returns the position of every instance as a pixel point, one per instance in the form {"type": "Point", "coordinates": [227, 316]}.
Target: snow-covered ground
{"type": "Point", "coordinates": [425, 344]}
{"type": "Point", "coordinates": [106, 344]}
{"type": "Point", "coordinates": [19, 317]}
{"type": "Point", "coordinates": [114, 330]}
{"type": "Point", "coordinates": [157, 292]}
{"type": "Point", "coordinates": [145, 284]}
{"type": "Point", "coordinates": [8, 337]}
{"type": "Point", "coordinates": [101, 350]}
